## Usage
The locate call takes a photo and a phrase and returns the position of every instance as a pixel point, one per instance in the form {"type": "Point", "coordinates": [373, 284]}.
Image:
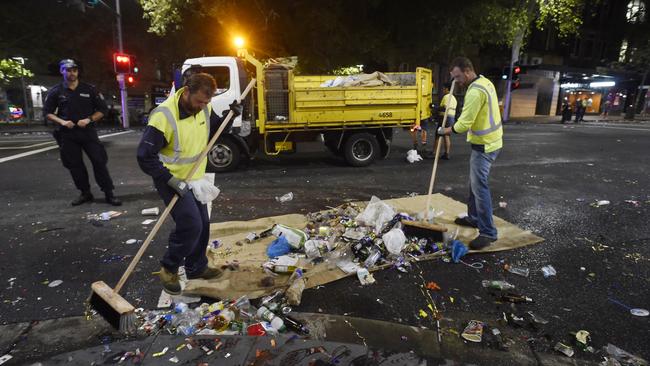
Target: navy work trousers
{"type": "Point", "coordinates": [72, 142]}
{"type": "Point", "coordinates": [189, 240]}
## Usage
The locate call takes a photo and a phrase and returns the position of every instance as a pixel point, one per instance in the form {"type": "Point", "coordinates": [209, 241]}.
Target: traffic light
{"type": "Point", "coordinates": [516, 70]}
{"type": "Point", "coordinates": [122, 63]}
{"type": "Point", "coordinates": [130, 80]}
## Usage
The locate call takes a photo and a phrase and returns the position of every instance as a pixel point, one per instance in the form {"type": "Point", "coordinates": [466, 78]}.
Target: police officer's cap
{"type": "Point", "coordinates": [67, 63]}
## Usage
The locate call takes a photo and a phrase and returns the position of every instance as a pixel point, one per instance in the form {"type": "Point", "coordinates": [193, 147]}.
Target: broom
{"type": "Point", "coordinates": [424, 228]}
{"type": "Point", "coordinates": [107, 301]}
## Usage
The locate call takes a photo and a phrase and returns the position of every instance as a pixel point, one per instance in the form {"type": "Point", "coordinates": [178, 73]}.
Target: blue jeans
{"type": "Point", "coordinates": [479, 204]}
{"type": "Point", "coordinates": [189, 239]}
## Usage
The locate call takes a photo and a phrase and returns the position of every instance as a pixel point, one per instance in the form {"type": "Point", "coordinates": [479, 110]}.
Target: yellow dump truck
{"type": "Point", "coordinates": [354, 122]}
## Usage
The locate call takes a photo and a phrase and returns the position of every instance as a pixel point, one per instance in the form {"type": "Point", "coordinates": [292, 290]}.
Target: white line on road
{"type": "Point", "coordinates": [28, 153]}
{"type": "Point", "coordinates": [25, 147]}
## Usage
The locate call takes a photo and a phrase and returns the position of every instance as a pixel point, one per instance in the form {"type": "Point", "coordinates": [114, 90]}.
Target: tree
{"type": "Point", "coordinates": [10, 69]}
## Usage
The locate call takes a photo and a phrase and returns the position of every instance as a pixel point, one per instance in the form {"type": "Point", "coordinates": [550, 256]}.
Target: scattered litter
{"type": "Point", "coordinates": [365, 277]}
{"type": "Point", "coordinates": [582, 339]}
{"type": "Point", "coordinates": [131, 241]}
{"type": "Point", "coordinates": [633, 202]}
{"type": "Point", "coordinates": [473, 332]}
{"type": "Point", "coordinates": [633, 311]}
{"type": "Point", "coordinates": [153, 211]}
{"type": "Point", "coordinates": [104, 216]}
{"type": "Point", "coordinates": [412, 156]}
{"type": "Point", "coordinates": [564, 349]}
{"type": "Point", "coordinates": [625, 358]}
{"type": "Point", "coordinates": [148, 221]}
{"type": "Point", "coordinates": [433, 286]}
{"type": "Point", "coordinates": [497, 285]}
{"type": "Point", "coordinates": [285, 197]}
{"type": "Point", "coordinates": [600, 203]}
{"type": "Point", "coordinates": [518, 270]}
{"type": "Point", "coordinates": [503, 204]}
{"type": "Point", "coordinates": [174, 359]}
{"type": "Point", "coordinates": [55, 283]}
{"type": "Point", "coordinates": [5, 358]}
{"type": "Point", "coordinates": [46, 229]}
{"type": "Point", "coordinates": [548, 271]}
{"type": "Point", "coordinates": [161, 353]}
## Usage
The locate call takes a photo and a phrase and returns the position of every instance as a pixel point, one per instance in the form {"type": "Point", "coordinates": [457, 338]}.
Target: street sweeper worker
{"type": "Point", "coordinates": [177, 132]}
{"type": "Point", "coordinates": [481, 120]}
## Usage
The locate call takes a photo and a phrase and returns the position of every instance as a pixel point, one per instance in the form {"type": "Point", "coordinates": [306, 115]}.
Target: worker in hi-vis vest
{"type": "Point", "coordinates": [481, 120]}
{"type": "Point", "coordinates": [177, 132]}
{"type": "Point", "coordinates": [447, 105]}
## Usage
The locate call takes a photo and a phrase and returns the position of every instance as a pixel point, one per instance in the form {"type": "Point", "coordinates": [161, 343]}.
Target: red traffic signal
{"type": "Point", "coordinates": [122, 63]}
{"type": "Point", "coordinates": [130, 80]}
{"type": "Point", "coordinates": [516, 70]}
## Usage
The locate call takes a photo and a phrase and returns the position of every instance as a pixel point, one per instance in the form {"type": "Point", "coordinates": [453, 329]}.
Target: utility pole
{"type": "Point", "coordinates": [121, 76]}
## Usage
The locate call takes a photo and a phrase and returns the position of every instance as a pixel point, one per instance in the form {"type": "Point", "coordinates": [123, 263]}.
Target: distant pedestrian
{"type": "Point", "coordinates": [566, 112]}
{"type": "Point", "coordinates": [606, 107]}
{"type": "Point", "coordinates": [447, 100]}
{"type": "Point", "coordinates": [75, 107]}
{"type": "Point", "coordinates": [422, 131]}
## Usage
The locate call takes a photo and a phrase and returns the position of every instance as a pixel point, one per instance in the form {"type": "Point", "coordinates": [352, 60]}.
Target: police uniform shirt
{"type": "Point", "coordinates": [74, 105]}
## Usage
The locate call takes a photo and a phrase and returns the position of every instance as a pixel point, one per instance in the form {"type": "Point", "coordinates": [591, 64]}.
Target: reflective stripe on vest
{"type": "Point", "coordinates": [493, 126]}
{"type": "Point", "coordinates": [176, 159]}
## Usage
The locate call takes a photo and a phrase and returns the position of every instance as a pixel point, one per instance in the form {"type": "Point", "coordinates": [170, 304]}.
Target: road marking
{"type": "Point", "coordinates": [28, 153]}
{"type": "Point", "coordinates": [25, 147]}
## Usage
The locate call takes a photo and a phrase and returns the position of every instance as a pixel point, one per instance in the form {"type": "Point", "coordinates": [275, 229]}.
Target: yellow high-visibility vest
{"type": "Point", "coordinates": [186, 138]}
{"type": "Point", "coordinates": [481, 118]}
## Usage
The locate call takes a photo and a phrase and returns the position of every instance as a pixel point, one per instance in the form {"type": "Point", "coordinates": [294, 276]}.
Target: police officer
{"type": "Point", "coordinates": [75, 107]}
{"type": "Point", "coordinates": [177, 132]}
{"type": "Point", "coordinates": [481, 120]}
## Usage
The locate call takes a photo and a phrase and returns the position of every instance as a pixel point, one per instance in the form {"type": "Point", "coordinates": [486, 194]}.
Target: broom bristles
{"type": "Point", "coordinates": [112, 307]}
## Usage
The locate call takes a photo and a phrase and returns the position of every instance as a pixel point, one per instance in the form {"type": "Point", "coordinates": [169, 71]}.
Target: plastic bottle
{"type": "Point", "coordinates": [518, 270]}
{"type": "Point", "coordinates": [181, 307]}
{"type": "Point", "coordinates": [285, 197]}
{"type": "Point", "coordinates": [278, 324]}
{"type": "Point", "coordinates": [265, 314]}
{"type": "Point", "coordinates": [497, 285]}
{"type": "Point", "coordinates": [374, 256]}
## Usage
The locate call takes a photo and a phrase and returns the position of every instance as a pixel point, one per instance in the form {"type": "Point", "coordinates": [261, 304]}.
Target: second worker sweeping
{"type": "Point", "coordinates": [178, 130]}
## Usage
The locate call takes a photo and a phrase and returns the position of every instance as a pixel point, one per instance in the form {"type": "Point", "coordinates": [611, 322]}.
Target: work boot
{"type": "Point", "coordinates": [110, 199]}
{"type": "Point", "coordinates": [481, 242]}
{"type": "Point", "coordinates": [415, 146]}
{"type": "Point", "coordinates": [207, 274]}
{"type": "Point", "coordinates": [170, 282]}
{"type": "Point", "coordinates": [444, 156]}
{"type": "Point", "coordinates": [83, 198]}
{"type": "Point", "coordinates": [465, 221]}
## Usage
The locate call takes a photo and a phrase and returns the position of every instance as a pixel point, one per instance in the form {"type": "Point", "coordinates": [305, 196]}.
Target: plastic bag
{"type": "Point", "coordinates": [458, 250]}
{"type": "Point", "coordinates": [203, 189]}
{"type": "Point", "coordinates": [278, 247]}
{"type": "Point", "coordinates": [412, 156]}
{"type": "Point", "coordinates": [394, 241]}
{"type": "Point", "coordinates": [376, 214]}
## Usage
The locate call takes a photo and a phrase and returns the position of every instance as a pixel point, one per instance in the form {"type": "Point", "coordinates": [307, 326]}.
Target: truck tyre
{"type": "Point", "coordinates": [225, 155]}
{"type": "Point", "coordinates": [361, 149]}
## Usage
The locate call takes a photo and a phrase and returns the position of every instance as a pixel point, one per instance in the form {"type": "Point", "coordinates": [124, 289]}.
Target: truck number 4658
{"type": "Point", "coordinates": [385, 114]}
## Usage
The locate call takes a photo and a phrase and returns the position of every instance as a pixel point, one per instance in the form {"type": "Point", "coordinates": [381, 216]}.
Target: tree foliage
{"type": "Point", "coordinates": [10, 69]}
{"type": "Point", "coordinates": [338, 33]}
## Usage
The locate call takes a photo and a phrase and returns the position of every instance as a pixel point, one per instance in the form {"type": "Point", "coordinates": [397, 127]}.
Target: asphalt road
{"type": "Point", "coordinates": [549, 175]}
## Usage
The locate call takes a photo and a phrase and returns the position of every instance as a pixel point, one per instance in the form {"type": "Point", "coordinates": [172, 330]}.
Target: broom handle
{"type": "Point", "coordinates": [439, 142]}
{"type": "Point", "coordinates": [171, 204]}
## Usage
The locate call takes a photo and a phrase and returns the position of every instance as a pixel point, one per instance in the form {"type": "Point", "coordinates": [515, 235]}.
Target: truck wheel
{"type": "Point", "coordinates": [224, 156]}
{"type": "Point", "coordinates": [361, 149]}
